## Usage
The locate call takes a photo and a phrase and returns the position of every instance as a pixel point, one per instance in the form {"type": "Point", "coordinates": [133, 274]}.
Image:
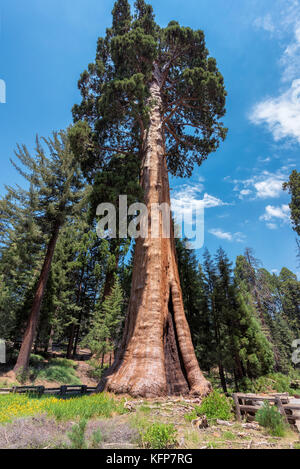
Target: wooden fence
{"type": "Point", "coordinates": [246, 406]}
{"type": "Point", "coordinates": [40, 390]}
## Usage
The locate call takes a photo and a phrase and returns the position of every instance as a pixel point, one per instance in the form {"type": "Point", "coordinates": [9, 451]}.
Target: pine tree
{"type": "Point", "coordinates": [154, 93]}
{"type": "Point", "coordinates": [105, 328]}
{"type": "Point", "coordinates": [289, 291]}
{"type": "Point", "coordinates": [293, 186]}
{"type": "Point", "coordinates": [21, 241]}
{"type": "Point", "coordinates": [55, 182]}
{"type": "Point", "coordinates": [211, 278]}
{"type": "Point", "coordinates": [195, 302]}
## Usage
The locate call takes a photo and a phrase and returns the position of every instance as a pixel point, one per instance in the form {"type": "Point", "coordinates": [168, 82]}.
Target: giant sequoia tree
{"type": "Point", "coordinates": [154, 93]}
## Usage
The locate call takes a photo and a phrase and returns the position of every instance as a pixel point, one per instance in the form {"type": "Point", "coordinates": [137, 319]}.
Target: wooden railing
{"type": "Point", "coordinates": [40, 390]}
{"type": "Point", "coordinates": [246, 406]}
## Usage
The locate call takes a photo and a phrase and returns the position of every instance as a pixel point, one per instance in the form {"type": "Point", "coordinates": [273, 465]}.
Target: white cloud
{"type": "Point", "coordinates": [209, 201]}
{"type": "Point", "coordinates": [221, 234]}
{"type": "Point", "coordinates": [290, 60]}
{"type": "Point", "coordinates": [240, 237]}
{"type": "Point", "coordinates": [273, 214]}
{"type": "Point", "coordinates": [265, 22]}
{"type": "Point", "coordinates": [188, 199]}
{"type": "Point", "coordinates": [281, 114]}
{"type": "Point", "coordinates": [272, 226]}
{"type": "Point", "coordinates": [281, 19]}
{"type": "Point", "coordinates": [218, 233]}
{"type": "Point", "coordinates": [244, 193]}
{"type": "Point", "coordinates": [263, 185]}
{"type": "Point", "coordinates": [270, 187]}
{"type": "Point", "coordinates": [264, 160]}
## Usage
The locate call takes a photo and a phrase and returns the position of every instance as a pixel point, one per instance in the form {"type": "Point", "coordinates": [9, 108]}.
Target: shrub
{"type": "Point", "coordinates": [159, 436]}
{"type": "Point", "coordinates": [96, 439]}
{"type": "Point", "coordinates": [215, 406]}
{"type": "Point", "coordinates": [36, 360]}
{"type": "Point", "coordinates": [269, 417]}
{"type": "Point", "coordinates": [59, 370]}
{"type": "Point", "coordinates": [96, 371]}
{"type": "Point", "coordinates": [77, 435]}
{"type": "Point", "coordinates": [268, 383]}
{"type": "Point", "coordinates": [59, 374]}
{"type": "Point", "coordinates": [65, 362]}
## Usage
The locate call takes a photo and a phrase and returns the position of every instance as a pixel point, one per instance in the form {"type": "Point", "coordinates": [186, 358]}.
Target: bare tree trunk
{"type": "Point", "coordinates": [156, 357]}
{"type": "Point", "coordinates": [71, 341]}
{"type": "Point", "coordinates": [222, 377]}
{"type": "Point", "coordinates": [24, 354]}
{"type": "Point", "coordinates": [48, 348]}
{"type": "Point", "coordinates": [74, 335]}
{"type": "Point", "coordinates": [77, 336]}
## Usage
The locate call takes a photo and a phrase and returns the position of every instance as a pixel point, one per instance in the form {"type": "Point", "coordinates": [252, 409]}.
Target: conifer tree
{"type": "Point", "coordinates": [289, 291]}
{"type": "Point", "coordinates": [195, 301]}
{"type": "Point", "coordinates": [20, 256]}
{"type": "Point", "coordinates": [55, 182]}
{"type": "Point", "coordinates": [293, 187]}
{"type": "Point", "coordinates": [105, 327]}
{"type": "Point", "coordinates": [156, 94]}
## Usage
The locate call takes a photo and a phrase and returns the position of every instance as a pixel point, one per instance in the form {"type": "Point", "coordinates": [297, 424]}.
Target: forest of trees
{"type": "Point", "coordinates": [60, 283]}
{"type": "Point", "coordinates": [243, 319]}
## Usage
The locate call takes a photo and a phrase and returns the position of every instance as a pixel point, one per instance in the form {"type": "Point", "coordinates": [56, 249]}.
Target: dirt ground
{"type": "Point", "coordinates": [123, 431]}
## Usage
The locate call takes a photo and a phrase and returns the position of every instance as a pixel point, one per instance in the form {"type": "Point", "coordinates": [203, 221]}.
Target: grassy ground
{"type": "Point", "coordinates": [104, 421]}
{"type": "Point", "coordinates": [52, 372]}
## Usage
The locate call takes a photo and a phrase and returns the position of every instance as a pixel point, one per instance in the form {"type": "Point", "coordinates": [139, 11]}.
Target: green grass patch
{"type": "Point", "coordinates": [229, 436]}
{"type": "Point", "coordinates": [59, 370]}
{"type": "Point", "coordinates": [14, 406]}
{"type": "Point", "coordinates": [159, 436]}
{"type": "Point", "coordinates": [145, 409]}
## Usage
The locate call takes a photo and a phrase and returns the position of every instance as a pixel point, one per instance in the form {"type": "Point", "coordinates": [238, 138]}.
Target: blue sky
{"type": "Point", "coordinates": [45, 45]}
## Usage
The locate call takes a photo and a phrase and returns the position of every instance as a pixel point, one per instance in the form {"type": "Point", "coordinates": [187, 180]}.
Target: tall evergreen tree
{"type": "Point", "coordinates": [105, 327]}
{"type": "Point", "coordinates": [211, 275]}
{"type": "Point", "coordinates": [195, 301]}
{"type": "Point", "coordinates": [56, 182]}
{"type": "Point", "coordinates": [154, 93]}
{"type": "Point", "coordinates": [293, 187]}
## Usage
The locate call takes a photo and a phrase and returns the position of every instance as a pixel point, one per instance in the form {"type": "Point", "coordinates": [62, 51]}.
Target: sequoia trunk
{"type": "Point", "coordinates": [156, 357]}
{"type": "Point", "coordinates": [24, 354]}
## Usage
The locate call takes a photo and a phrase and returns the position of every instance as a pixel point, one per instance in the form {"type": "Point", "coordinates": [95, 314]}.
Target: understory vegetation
{"type": "Point", "coordinates": [270, 418]}
{"type": "Point", "coordinates": [215, 406]}
{"type": "Point", "coordinates": [13, 406]}
{"type": "Point", "coordinates": [102, 421]}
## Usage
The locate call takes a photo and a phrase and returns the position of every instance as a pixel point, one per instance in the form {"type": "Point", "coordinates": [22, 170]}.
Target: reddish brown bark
{"type": "Point", "coordinates": [156, 357]}
{"type": "Point", "coordinates": [24, 354]}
